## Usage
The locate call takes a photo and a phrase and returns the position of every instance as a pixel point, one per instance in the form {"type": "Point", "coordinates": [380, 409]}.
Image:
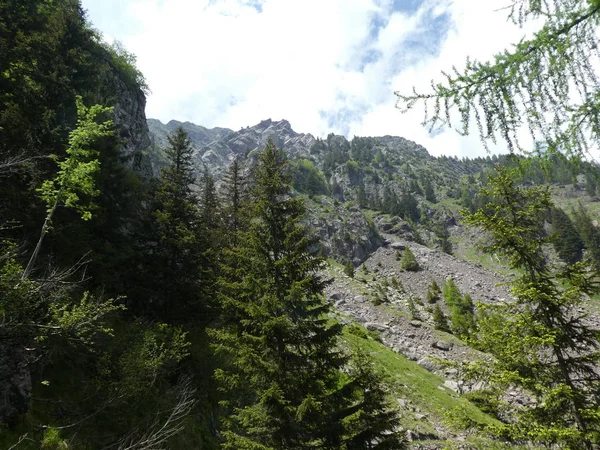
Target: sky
{"type": "Point", "coordinates": [327, 66]}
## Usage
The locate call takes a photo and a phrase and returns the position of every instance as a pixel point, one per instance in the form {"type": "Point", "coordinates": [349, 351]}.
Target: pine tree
{"type": "Point", "coordinates": [429, 192]}
{"type": "Point", "coordinates": [282, 378]}
{"type": "Point", "coordinates": [440, 322]}
{"type": "Point", "coordinates": [433, 292]}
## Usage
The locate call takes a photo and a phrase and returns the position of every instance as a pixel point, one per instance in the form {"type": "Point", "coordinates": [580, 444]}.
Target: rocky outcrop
{"type": "Point", "coordinates": [132, 127]}
{"type": "Point", "coordinates": [345, 233]}
{"type": "Point", "coordinates": [15, 380]}
{"type": "Point", "coordinates": [215, 148]}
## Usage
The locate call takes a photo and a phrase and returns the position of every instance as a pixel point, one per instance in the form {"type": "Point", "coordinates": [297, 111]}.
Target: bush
{"type": "Point", "coordinates": [486, 400]}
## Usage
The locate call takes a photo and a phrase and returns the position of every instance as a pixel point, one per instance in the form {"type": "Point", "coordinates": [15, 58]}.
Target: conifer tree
{"type": "Point", "coordinates": [177, 228]}
{"type": "Point", "coordinates": [440, 322]}
{"type": "Point", "coordinates": [282, 377]}
{"type": "Point", "coordinates": [567, 242]}
{"type": "Point", "coordinates": [542, 343]}
{"type": "Point", "coordinates": [233, 200]}
{"type": "Point", "coordinates": [589, 233]}
{"type": "Point", "coordinates": [409, 261]}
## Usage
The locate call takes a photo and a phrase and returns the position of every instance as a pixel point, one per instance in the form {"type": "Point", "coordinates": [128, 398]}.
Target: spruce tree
{"type": "Point", "coordinates": [233, 199]}
{"type": "Point", "coordinates": [282, 382]}
{"type": "Point", "coordinates": [440, 322]}
{"type": "Point", "coordinates": [409, 261]}
{"type": "Point", "coordinates": [176, 253]}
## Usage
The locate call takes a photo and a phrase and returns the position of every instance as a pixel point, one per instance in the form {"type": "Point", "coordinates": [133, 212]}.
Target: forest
{"type": "Point", "coordinates": [148, 301]}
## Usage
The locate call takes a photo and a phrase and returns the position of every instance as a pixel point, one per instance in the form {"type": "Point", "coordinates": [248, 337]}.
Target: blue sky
{"type": "Point", "coordinates": [324, 65]}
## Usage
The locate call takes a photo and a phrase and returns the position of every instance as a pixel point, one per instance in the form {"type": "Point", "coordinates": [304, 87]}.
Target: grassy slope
{"type": "Point", "coordinates": [421, 396]}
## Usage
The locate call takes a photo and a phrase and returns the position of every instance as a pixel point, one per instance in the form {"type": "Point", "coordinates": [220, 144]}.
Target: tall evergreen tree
{"type": "Point", "coordinates": [233, 199]}
{"type": "Point", "coordinates": [177, 223]}
{"type": "Point", "coordinates": [282, 380]}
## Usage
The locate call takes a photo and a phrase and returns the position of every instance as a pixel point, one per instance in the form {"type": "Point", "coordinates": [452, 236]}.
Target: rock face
{"type": "Point", "coordinates": [344, 230]}
{"type": "Point", "coordinates": [132, 127]}
{"type": "Point", "coordinates": [130, 122]}
{"type": "Point", "coordinates": [15, 380]}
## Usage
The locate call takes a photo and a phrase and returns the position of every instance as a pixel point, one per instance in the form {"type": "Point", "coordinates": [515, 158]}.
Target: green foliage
{"type": "Point", "coordinates": [533, 83]}
{"type": "Point", "coordinates": [349, 269]}
{"type": "Point", "coordinates": [281, 380]}
{"type": "Point", "coordinates": [75, 176]}
{"type": "Point", "coordinates": [443, 236]}
{"type": "Point", "coordinates": [233, 201]}
{"type": "Point", "coordinates": [76, 173]}
{"type": "Point", "coordinates": [433, 292]}
{"type": "Point", "coordinates": [409, 261]}
{"type": "Point", "coordinates": [372, 418]}
{"type": "Point", "coordinates": [429, 191]}
{"type": "Point", "coordinates": [440, 322]}
{"type": "Point", "coordinates": [307, 179]}
{"type": "Point", "coordinates": [126, 64]}
{"type": "Point", "coordinates": [177, 233]}
{"type": "Point", "coordinates": [462, 316]}
{"type": "Point", "coordinates": [590, 234]}
{"type": "Point", "coordinates": [53, 441]}
{"type": "Point", "coordinates": [566, 240]}
{"type": "Point", "coordinates": [412, 309]}
{"type": "Point", "coordinates": [541, 343]}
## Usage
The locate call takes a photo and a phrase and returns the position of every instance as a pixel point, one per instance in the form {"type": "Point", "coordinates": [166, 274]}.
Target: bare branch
{"type": "Point", "coordinates": [159, 432]}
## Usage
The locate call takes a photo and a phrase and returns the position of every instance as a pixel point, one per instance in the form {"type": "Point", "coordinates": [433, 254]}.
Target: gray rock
{"type": "Point", "coordinates": [428, 364]}
{"type": "Point", "coordinates": [442, 345]}
{"type": "Point", "coordinates": [452, 385]}
{"type": "Point", "coordinates": [398, 246]}
{"type": "Point", "coordinates": [416, 323]}
{"type": "Point", "coordinates": [373, 326]}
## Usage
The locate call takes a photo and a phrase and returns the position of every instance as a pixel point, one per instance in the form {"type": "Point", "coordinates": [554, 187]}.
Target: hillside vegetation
{"type": "Point", "coordinates": [179, 287]}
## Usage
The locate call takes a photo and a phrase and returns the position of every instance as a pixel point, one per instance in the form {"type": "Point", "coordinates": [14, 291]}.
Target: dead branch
{"type": "Point", "coordinates": [160, 431]}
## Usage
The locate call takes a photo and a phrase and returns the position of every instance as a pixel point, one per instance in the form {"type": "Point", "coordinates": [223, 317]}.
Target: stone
{"type": "Point", "coordinates": [398, 246]}
{"type": "Point", "coordinates": [442, 345]}
{"type": "Point", "coordinates": [336, 296]}
{"type": "Point", "coordinates": [416, 323]}
{"type": "Point", "coordinates": [428, 364]}
{"type": "Point", "coordinates": [373, 326]}
{"type": "Point", "coordinates": [452, 385]}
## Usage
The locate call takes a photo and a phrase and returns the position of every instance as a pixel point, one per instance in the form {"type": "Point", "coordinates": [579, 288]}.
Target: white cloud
{"type": "Point", "coordinates": [320, 64]}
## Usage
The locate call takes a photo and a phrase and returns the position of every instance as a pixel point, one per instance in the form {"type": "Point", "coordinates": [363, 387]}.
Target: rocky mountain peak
{"type": "Point", "coordinates": [272, 128]}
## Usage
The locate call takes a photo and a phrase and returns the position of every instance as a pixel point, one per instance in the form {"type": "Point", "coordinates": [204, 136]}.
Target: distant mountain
{"type": "Point", "coordinates": [339, 177]}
